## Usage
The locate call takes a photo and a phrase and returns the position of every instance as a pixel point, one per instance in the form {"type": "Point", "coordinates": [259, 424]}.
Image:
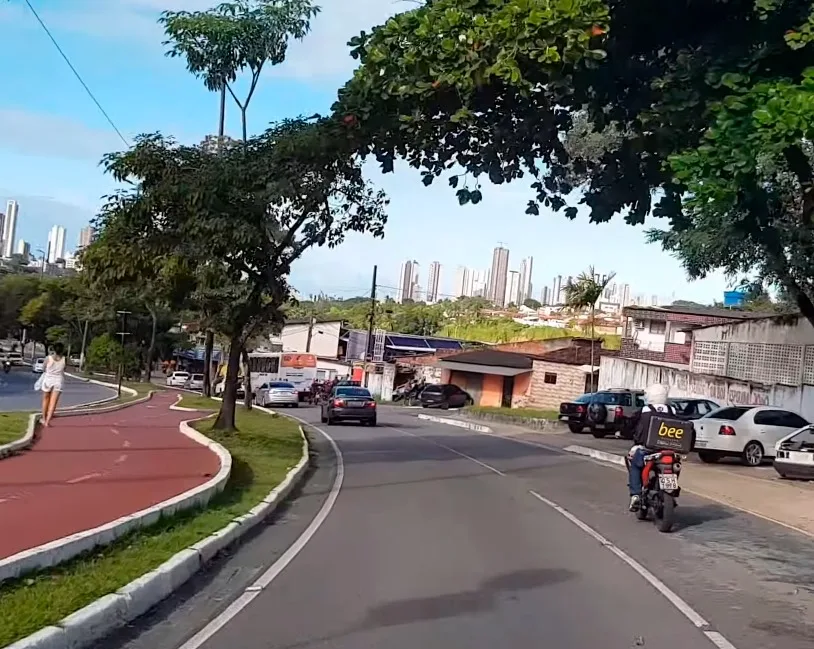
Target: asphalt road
{"type": "Point", "coordinates": [443, 538]}
{"type": "Point", "coordinates": [17, 391]}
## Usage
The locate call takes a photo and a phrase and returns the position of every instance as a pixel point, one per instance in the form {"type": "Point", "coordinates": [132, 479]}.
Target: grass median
{"type": "Point", "coordinates": [515, 413]}
{"type": "Point", "coordinates": [13, 425]}
{"type": "Point", "coordinates": [263, 451]}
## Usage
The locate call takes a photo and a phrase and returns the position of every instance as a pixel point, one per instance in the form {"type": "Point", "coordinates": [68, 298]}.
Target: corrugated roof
{"type": "Point", "coordinates": [493, 358]}
{"type": "Point", "coordinates": [713, 312]}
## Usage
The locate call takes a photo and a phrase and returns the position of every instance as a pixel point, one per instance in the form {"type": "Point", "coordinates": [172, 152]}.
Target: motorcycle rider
{"type": "Point", "coordinates": [656, 403]}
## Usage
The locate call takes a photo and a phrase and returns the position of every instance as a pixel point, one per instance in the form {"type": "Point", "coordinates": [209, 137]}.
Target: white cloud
{"type": "Point", "coordinates": [43, 134]}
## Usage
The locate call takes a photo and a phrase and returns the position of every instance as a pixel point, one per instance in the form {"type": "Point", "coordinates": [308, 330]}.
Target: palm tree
{"type": "Point", "coordinates": [584, 293]}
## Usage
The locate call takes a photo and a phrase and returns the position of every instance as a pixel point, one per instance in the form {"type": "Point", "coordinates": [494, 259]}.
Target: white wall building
{"type": "Point", "coordinates": [526, 267]}
{"type": "Point", "coordinates": [463, 282]}
{"type": "Point", "coordinates": [324, 337]}
{"type": "Point", "coordinates": [408, 282]}
{"type": "Point", "coordinates": [512, 288]}
{"type": "Point", "coordinates": [434, 282]}
{"type": "Point", "coordinates": [9, 230]}
{"type": "Point", "coordinates": [56, 244]}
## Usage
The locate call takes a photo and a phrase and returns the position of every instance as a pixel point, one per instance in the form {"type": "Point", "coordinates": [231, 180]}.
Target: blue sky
{"type": "Point", "coordinates": [52, 138]}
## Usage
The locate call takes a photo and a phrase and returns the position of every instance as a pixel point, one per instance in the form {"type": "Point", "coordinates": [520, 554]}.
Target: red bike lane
{"type": "Point", "coordinates": [89, 470]}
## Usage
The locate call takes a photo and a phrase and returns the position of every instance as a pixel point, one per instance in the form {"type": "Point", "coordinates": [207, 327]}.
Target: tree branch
{"type": "Point", "coordinates": [800, 166]}
{"type": "Point", "coordinates": [234, 96]}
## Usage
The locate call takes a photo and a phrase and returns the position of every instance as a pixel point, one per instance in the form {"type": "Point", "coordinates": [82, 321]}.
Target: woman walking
{"type": "Point", "coordinates": [52, 379]}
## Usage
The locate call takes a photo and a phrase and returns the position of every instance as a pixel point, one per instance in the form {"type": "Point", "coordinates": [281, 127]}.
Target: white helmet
{"type": "Point", "coordinates": [657, 394]}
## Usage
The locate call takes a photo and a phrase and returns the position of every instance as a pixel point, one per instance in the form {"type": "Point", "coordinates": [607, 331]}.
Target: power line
{"type": "Point", "coordinates": [76, 73]}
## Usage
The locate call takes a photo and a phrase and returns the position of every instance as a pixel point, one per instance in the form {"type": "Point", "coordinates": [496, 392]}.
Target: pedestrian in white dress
{"type": "Point", "coordinates": [53, 378]}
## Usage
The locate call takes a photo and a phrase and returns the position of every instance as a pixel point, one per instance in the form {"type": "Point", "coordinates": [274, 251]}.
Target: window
{"type": "Point", "coordinates": [352, 392]}
{"type": "Point", "coordinates": [639, 324]}
{"type": "Point", "coordinates": [550, 378]}
{"type": "Point", "coordinates": [281, 384]}
{"type": "Point", "coordinates": [805, 438]}
{"type": "Point", "coordinates": [434, 388]}
{"type": "Point", "coordinates": [704, 407]}
{"type": "Point", "coordinates": [267, 364]}
{"type": "Point", "coordinates": [769, 417]}
{"type": "Point", "coordinates": [792, 420]}
{"type": "Point", "coordinates": [585, 398]}
{"type": "Point", "coordinates": [610, 398]}
{"type": "Point", "coordinates": [729, 414]}
{"type": "Point", "coordinates": [639, 400]}
{"type": "Point", "coordinates": [658, 326]}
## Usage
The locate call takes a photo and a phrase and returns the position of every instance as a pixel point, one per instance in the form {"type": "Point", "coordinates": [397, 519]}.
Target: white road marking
{"type": "Point", "coordinates": [451, 450]}
{"type": "Point", "coordinates": [120, 459]}
{"type": "Point", "coordinates": [126, 444]}
{"type": "Point", "coordinates": [115, 431]}
{"type": "Point", "coordinates": [286, 558]}
{"type": "Point", "coordinates": [4, 500]}
{"type": "Point", "coordinates": [718, 640]}
{"type": "Point", "coordinates": [83, 478]}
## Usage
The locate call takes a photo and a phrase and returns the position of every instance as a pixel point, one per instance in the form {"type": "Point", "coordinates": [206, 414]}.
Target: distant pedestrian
{"type": "Point", "coordinates": [53, 378]}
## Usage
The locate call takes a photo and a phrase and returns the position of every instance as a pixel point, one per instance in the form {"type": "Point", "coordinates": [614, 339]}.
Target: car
{"type": "Point", "coordinates": [444, 396]}
{"type": "Point", "coordinates": [748, 432]}
{"type": "Point", "coordinates": [15, 358]}
{"type": "Point", "coordinates": [794, 454]}
{"type": "Point", "coordinates": [178, 379]}
{"type": "Point", "coordinates": [690, 409]}
{"type": "Point", "coordinates": [38, 366]}
{"type": "Point", "coordinates": [195, 382]}
{"type": "Point", "coordinates": [604, 412]}
{"type": "Point", "coordinates": [277, 393]}
{"type": "Point", "coordinates": [349, 403]}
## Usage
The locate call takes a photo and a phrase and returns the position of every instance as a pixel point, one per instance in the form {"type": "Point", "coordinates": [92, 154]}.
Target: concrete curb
{"type": "Point", "coordinates": [61, 550]}
{"type": "Point", "coordinates": [456, 422]}
{"type": "Point", "coordinates": [596, 454]}
{"type": "Point", "coordinates": [93, 622]}
{"type": "Point", "coordinates": [175, 405]}
{"type": "Point", "coordinates": [25, 442]}
{"type": "Point", "coordinates": [533, 423]}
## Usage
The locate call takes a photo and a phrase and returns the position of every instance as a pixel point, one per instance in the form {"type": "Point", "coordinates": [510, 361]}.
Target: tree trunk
{"type": "Point", "coordinates": [226, 417]}
{"type": "Point", "coordinates": [209, 344]}
{"type": "Point", "coordinates": [804, 303]}
{"type": "Point", "coordinates": [593, 311]}
{"type": "Point", "coordinates": [247, 379]}
{"type": "Point", "coordinates": [151, 348]}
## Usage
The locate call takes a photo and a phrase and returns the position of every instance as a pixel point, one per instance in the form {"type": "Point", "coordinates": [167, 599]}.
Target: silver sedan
{"type": "Point", "coordinates": [277, 393]}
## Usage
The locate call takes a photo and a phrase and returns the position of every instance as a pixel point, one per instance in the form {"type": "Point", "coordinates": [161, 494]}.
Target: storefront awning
{"type": "Point", "coordinates": [482, 369]}
{"type": "Point", "coordinates": [586, 369]}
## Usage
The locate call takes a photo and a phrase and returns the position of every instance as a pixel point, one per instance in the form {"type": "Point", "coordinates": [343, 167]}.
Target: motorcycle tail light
{"type": "Point", "coordinates": [726, 430]}
{"type": "Point", "coordinates": [666, 459]}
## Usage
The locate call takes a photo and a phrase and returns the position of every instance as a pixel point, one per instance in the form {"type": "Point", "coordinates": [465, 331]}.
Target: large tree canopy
{"type": "Point", "coordinates": [491, 88]}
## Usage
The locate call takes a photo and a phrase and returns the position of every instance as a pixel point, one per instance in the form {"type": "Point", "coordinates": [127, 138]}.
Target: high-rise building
{"type": "Point", "coordinates": [86, 236]}
{"type": "Point", "coordinates": [23, 249]}
{"type": "Point", "coordinates": [9, 229]}
{"type": "Point", "coordinates": [499, 276]}
{"type": "Point", "coordinates": [433, 282]}
{"type": "Point", "coordinates": [545, 296]}
{"type": "Point", "coordinates": [56, 244]}
{"type": "Point", "coordinates": [463, 282]}
{"type": "Point", "coordinates": [512, 288]}
{"type": "Point", "coordinates": [625, 297]}
{"type": "Point", "coordinates": [408, 282]}
{"type": "Point", "coordinates": [556, 291]}
{"type": "Point", "coordinates": [525, 279]}
{"type": "Point", "coordinates": [480, 283]}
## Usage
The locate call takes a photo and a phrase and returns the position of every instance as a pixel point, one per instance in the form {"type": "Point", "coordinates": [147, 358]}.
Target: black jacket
{"type": "Point", "coordinates": [643, 423]}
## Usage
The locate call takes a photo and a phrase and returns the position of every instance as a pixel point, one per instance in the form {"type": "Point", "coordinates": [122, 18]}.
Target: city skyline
{"type": "Point", "coordinates": [55, 249]}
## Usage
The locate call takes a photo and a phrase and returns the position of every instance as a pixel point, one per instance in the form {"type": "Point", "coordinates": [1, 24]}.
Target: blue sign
{"type": "Point", "coordinates": [734, 298]}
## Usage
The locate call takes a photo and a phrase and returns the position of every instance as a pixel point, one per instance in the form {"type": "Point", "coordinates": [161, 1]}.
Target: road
{"type": "Point", "coordinates": [17, 391]}
{"type": "Point", "coordinates": [89, 470]}
{"type": "Point", "coordinates": [443, 538]}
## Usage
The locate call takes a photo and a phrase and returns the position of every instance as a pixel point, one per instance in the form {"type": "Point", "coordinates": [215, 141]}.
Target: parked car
{"type": "Point", "coordinates": [794, 455]}
{"type": "Point", "coordinates": [177, 379]}
{"type": "Point", "coordinates": [349, 403]}
{"type": "Point", "coordinates": [277, 393]}
{"type": "Point", "coordinates": [604, 412]}
{"type": "Point", "coordinates": [693, 408]}
{"type": "Point", "coordinates": [195, 382]}
{"type": "Point", "coordinates": [38, 366]}
{"type": "Point", "coordinates": [748, 432]}
{"type": "Point", "coordinates": [444, 396]}
{"type": "Point", "coordinates": [15, 358]}
{"type": "Point", "coordinates": [217, 389]}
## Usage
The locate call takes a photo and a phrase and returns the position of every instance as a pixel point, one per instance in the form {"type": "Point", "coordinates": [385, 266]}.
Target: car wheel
{"type": "Point", "coordinates": [322, 418]}
{"type": "Point", "coordinates": [599, 434]}
{"type": "Point", "coordinates": [575, 428]}
{"type": "Point", "coordinates": [371, 422]}
{"type": "Point", "coordinates": [752, 454]}
{"type": "Point", "coordinates": [445, 405]}
{"type": "Point", "coordinates": [295, 405]}
{"type": "Point", "coordinates": [708, 457]}
{"type": "Point", "coordinates": [329, 420]}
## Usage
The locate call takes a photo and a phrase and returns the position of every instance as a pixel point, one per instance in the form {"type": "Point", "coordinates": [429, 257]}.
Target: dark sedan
{"type": "Point", "coordinates": [444, 396]}
{"type": "Point", "coordinates": [349, 403]}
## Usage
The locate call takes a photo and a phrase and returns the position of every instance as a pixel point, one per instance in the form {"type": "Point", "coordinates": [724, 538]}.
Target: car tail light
{"type": "Point", "coordinates": [726, 430]}
{"type": "Point", "coordinates": [370, 404]}
{"type": "Point", "coordinates": [580, 410]}
{"type": "Point", "coordinates": [619, 413]}
{"type": "Point", "coordinates": [338, 403]}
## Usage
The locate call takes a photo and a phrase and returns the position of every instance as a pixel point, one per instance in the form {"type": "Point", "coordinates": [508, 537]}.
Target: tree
{"type": "Point", "coordinates": [15, 292]}
{"type": "Point", "coordinates": [249, 212]}
{"type": "Point", "coordinates": [708, 105]}
{"type": "Point", "coordinates": [531, 303]}
{"type": "Point", "coordinates": [218, 45]}
{"type": "Point", "coordinates": [584, 294]}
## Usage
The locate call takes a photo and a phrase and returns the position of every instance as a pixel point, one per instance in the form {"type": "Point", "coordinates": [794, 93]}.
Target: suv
{"type": "Point", "coordinates": [604, 412]}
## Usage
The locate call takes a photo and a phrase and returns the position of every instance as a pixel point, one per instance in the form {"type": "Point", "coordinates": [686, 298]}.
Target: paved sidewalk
{"type": "Point", "coordinates": [759, 491]}
{"type": "Point", "coordinates": [89, 470]}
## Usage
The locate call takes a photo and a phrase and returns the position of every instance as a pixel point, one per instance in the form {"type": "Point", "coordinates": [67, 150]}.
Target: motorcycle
{"type": "Point", "coordinates": [7, 366]}
{"type": "Point", "coordinates": [660, 480]}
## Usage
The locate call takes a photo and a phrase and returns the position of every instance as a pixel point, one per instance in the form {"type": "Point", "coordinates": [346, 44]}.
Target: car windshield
{"type": "Point", "coordinates": [732, 413]}
{"type": "Point", "coordinates": [181, 374]}
{"type": "Point", "coordinates": [434, 388]}
{"type": "Point", "coordinates": [197, 377]}
{"type": "Point", "coordinates": [585, 398]}
{"type": "Point", "coordinates": [353, 392]}
{"type": "Point", "coordinates": [281, 384]}
{"type": "Point", "coordinates": [609, 398]}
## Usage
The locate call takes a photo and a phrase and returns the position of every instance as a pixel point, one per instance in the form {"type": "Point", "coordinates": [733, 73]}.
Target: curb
{"type": "Point", "coordinates": [61, 550]}
{"type": "Point", "coordinates": [100, 618]}
{"type": "Point", "coordinates": [596, 454]}
{"type": "Point", "coordinates": [456, 422]}
{"type": "Point", "coordinates": [532, 423]}
{"type": "Point", "coordinates": [25, 442]}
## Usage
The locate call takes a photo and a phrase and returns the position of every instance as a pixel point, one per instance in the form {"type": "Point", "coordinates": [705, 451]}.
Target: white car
{"type": "Point", "coordinates": [177, 379]}
{"type": "Point", "coordinates": [38, 366]}
{"type": "Point", "coordinates": [277, 393]}
{"type": "Point", "coordinates": [794, 455]}
{"type": "Point", "coordinates": [748, 432]}
{"type": "Point", "coordinates": [195, 382]}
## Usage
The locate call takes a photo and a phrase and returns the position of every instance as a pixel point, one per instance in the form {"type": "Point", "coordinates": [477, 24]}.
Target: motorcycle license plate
{"type": "Point", "coordinates": [668, 482]}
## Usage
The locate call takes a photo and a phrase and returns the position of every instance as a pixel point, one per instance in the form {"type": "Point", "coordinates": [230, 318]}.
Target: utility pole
{"type": "Point", "coordinates": [122, 333]}
{"type": "Point", "coordinates": [311, 322]}
{"type": "Point", "coordinates": [369, 350]}
{"type": "Point", "coordinates": [82, 351]}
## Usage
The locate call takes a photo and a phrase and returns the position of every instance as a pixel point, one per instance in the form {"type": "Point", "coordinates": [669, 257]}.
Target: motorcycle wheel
{"type": "Point", "coordinates": [665, 516]}
{"type": "Point", "coordinates": [641, 513]}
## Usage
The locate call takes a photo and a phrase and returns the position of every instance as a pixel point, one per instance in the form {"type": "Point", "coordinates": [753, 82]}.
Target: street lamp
{"type": "Point", "coordinates": [122, 333]}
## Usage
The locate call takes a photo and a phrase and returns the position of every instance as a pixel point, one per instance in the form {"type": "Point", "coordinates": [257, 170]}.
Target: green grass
{"type": "Point", "coordinates": [263, 451]}
{"type": "Point", "coordinates": [199, 402]}
{"type": "Point", "coordinates": [525, 413]}
{"type": "Point", "coordinates": [13, 425]}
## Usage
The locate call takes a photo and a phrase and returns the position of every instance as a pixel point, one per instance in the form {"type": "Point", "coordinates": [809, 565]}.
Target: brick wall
{"type": "Point", "coordinates": [534, 346]}
{"type": "Point", "coordinates": [673, 352]}
{"type": "Point", "coordinates": [570, 384]}
{"type": "Point", "coordinates": [684, 318]}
